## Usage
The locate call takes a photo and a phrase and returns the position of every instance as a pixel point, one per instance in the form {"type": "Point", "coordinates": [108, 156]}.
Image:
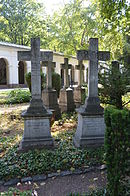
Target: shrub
{"type": "Point", "coordinates": [117, 147]}
{"type": "Point", "coordinates": [56, 82]}
{"type": "Point", "coordinates": [28, 80]}
{"type": "Point", "coordinates": [18, 96]}
{"type": "Point", "coordinates": [114, 82]}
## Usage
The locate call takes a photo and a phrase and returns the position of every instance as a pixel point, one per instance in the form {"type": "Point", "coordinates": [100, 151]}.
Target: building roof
{"type": "Point", "coordinates": [14, 45]}
{"type": "Point", "coordinates": [7, 44]}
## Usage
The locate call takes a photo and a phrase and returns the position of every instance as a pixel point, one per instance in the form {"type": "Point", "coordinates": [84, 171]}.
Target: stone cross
{"type": "Point", "coordinates": [80, 67]}
{"type": "Point", "coordinates": [35, 56]}
{"type": "Point", "coordinates": [66, 66]}
{"type": "Point", "coordinates": [93, 55]}
{"type": "Point", "coordinates": [49, 66]}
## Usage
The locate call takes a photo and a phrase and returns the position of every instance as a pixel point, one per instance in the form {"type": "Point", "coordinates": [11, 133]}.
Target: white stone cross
{"type": "Point", "coordinates": [49, 66]}
{"type": "Point", "coordinates": [35, 56]}
{"type": "Point", "coordinates": [93, 55]}
{"type": "Point", "coordinates": [66, 66]}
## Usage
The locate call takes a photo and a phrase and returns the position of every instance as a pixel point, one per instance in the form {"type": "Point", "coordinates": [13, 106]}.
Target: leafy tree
{"type": "Point", "coordinates": [21, 20]}
{"type": "Point", "coordinates": [71, 27]}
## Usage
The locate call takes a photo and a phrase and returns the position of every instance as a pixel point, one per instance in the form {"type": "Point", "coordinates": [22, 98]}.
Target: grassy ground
{"type": "Point", "coordinates": [64, 157]}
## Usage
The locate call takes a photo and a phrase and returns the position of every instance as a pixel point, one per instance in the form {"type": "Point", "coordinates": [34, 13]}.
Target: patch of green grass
{"type": "Point", "coordinates": [15, 96]}
{"type": "Point", "coordinates": [64, 157]}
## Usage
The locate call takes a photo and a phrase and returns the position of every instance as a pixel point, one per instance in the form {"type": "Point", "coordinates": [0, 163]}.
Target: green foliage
{"type": "Point", "coordinates": [114, 85]}
{"type": "Point", "coordinates": [71, 27]}
{"type": "Point", "coordinates": [64, 157]}
{"type": "Point", "coordinates": [56, 82]}
{"type": "Point", "coordinates": [21, 20]}
{"type": "Point", "coordinates": [15, 191]}
{"type": "Point", "coordinates": [117, 149]}
{"type": "Point", "coordinates": [28, 80]}
{"type": "Point", "coordinates": [18, 96]}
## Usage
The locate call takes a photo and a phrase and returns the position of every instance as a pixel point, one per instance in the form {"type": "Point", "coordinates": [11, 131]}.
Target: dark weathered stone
{"type": "Point", "coordinates": [77, 172]}
{"type": "Point", "coordinates": [37, 117]}
{"type": "Point", "coordinates": [66, 100]}
{"type": "Point", "coordinates": [12, 182]}
{"type": "Point", "coordinates": [53, 175]}
{"type": "Point", "coordinates": [65, 173]}
{"type": "Point", "coordinates": [49, 97]}
{"type": "Point", "coordinates": [78, 94]}
{"type": "Point", "coordinates": [26, 179]}
{"type": "Point", "coordinates": [91, 126]}
{"type": "Point", "coordinates": [39, 178]}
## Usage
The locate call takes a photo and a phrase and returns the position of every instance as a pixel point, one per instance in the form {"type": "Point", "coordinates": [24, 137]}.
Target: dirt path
{"type": "Point", "coordinates": [10, 108]}
{"type": "Point", "coordinates": [63, 186]}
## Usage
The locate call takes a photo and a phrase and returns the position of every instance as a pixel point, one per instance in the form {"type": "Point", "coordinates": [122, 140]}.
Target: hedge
{"type": "Point", "coordinates": [117, 149]}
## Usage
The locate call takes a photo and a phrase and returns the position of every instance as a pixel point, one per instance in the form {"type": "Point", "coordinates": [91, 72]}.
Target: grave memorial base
{"type": "Point", "coordinates": [36, 127]}
{"type": "Point", "coordinates": [90, 130]}
{"type": "Point", "coordinates": [49, 97]}
{"type": "Point", "coordinates": [78, 95]}
{"type": "Point", "coordinates": [66, 101]}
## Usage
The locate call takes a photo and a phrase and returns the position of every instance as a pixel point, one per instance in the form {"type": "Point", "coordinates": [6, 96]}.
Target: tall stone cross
{"type": "Point", "coordinates": [49, 66]}
{"type": "Point", "coordinates": [35, 56]}
{"type": "Point", "coordinates": [80, 67]}
{"type": "Point", "coordinates": [93, 55]}
{"type": "Point", "coordinates": [66, 66]}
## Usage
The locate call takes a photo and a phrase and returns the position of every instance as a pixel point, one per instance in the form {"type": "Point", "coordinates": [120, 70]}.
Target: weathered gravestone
{"type": "Point", "coordinates": [79, 91]}
{"type": "Point", "coordinates": [36, 118]}
{"type": "Point", "coordinates": [49, 95]}
{"type": "Point", "coordinates": [91, 126]}
{"type": "Point", "coordinates": [66, 101]}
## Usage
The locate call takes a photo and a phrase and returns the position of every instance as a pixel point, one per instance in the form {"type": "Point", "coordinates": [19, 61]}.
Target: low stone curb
{"type": "Point", "coordinates": [43, 177]}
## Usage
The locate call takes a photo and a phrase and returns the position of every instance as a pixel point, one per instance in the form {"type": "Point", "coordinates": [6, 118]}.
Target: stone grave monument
{"type": "Point", "coordinates": [66, 101]}
{"type": "Point", "coordinates": [91, 126]}
{"type": "Point", "coordinates": [36, 118]}
{"type": "Point", "coordinates": [49, 95]}
{"type": "Point", "coordinates": [79, 90]}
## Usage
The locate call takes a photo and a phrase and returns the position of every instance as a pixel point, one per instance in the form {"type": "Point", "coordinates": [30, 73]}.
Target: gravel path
{"type": "Point", "coordinates": [63, 186]}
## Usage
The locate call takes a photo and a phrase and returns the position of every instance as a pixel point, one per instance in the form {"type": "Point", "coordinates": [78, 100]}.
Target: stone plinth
{"type": "Point", "coordinates": [66, 101]}
{"type": "Point", "coordinates": [36, 133]}
{"type": "Point", "coordinates": [36, 127]}
{"type": "Point", "coordinates": [49, 98]}
{"type": "Point", "coordinates": [78, 95]}
{"type": "Point", "coordinates": [90, 131]}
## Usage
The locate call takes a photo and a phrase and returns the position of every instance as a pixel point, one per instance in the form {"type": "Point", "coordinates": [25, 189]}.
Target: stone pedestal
{"type": "Point", "coordinates": [49, 98]}
{"type": "Point", "coordinates": [36, 127]}
{"type": "Point", "coordinates": [78, 96]}
{"type": "Point", "coordinates": [90, 130]}
{"type": "Point", "coordinates": [66, 101]}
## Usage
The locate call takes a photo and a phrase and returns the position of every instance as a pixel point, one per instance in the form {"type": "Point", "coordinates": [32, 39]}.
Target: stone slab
{"type": "Point", "coordinates": [78, 94]}
{"type": "Point", "coordinates": [66, 100]}
{"type": "Point", "coordinates": [49, 98]}
{"type": "Point", "coordinates": [36, 133]}
{"type": "Point", "coordinates": [90, 131]}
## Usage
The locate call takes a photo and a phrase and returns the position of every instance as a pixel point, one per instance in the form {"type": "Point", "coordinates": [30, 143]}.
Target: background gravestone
{"type": "Point", "coordinates": [79, 91]}
{"type": "Point", "coordinates": [36, 118]}
{"type": "Point", "coordinates": [49, 95]}
{"type": "Point", "coordinates": [91, 126]}
{"type": "Point", "coordinates": [66, 100]}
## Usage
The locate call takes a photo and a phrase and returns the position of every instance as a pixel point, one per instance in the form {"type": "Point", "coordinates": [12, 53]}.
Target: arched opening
{"type": "Point", "coordinates": [3, 72]}
{"type": "Point", "coordinates": [21, 72]}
